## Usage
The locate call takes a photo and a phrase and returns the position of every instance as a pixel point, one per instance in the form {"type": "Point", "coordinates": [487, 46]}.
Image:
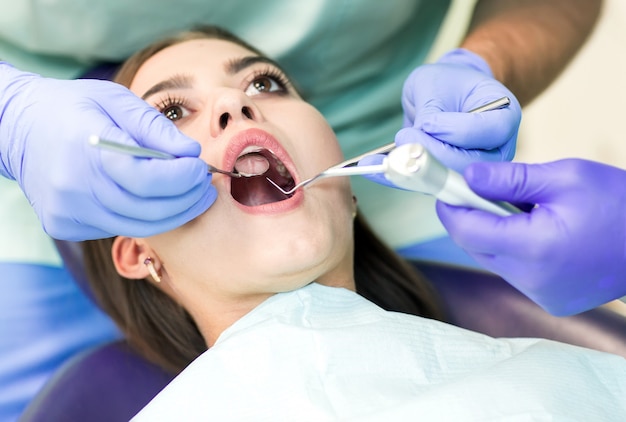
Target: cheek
{"type": "Point", "coordinates": [203, 244]}
{"type": "Point", "coordinates": [198, 127]}
{"type": "Point", "coordinates": [327, 140]}
{"type": "Point", "coordinates": [307, 125]}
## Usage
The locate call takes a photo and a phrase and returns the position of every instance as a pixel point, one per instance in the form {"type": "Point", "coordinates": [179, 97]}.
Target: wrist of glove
{"type": "Point", "coordinates": [463, 57]}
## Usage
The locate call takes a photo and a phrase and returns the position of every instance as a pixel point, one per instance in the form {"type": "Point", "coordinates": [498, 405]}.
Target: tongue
{"type": "Point", "coordinates": [252, 164]}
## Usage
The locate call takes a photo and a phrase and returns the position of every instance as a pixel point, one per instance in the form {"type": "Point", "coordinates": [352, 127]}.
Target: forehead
{"type": "Point", "coordinates": [203, 56]}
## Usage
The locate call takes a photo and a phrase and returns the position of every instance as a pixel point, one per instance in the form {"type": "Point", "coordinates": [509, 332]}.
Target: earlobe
{"type": "Point", "coordinates": [130, 256]}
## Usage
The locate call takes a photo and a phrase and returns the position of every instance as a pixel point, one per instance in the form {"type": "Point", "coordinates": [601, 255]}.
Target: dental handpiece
{"type": "Point", "coordinates": [412, 167]}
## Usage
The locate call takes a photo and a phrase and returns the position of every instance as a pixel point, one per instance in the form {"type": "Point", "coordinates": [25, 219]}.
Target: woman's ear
{"type": "Point", "coordinates": [134, 259]}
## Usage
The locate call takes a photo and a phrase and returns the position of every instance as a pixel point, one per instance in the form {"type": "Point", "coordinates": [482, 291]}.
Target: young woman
{"type": "Point", "coordinates": [266, 281]}
{"type": "Point", "coordinates": [241, 106]}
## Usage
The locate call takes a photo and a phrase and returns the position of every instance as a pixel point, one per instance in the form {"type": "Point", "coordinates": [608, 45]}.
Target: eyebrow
{"type": "Point", "coordinates": [237, 65]}
{"type": "Point", "coordinates": [175, 82]}
{"type": "Point", "coordinates": [185, 81]}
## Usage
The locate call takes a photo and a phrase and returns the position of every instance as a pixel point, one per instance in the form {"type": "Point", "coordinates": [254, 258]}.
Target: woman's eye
{"type": "Point", "coordinates": [262, 85]}
{"type": "Point", "coordinates": [174, 112]}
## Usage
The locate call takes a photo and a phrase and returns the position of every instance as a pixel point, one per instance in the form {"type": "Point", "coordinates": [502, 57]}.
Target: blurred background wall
{"type": "Point", "coordinates": [583, 113]}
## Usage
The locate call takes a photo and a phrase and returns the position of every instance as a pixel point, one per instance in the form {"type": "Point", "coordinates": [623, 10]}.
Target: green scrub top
{"type": "Point", "coordinates": [348, 57]}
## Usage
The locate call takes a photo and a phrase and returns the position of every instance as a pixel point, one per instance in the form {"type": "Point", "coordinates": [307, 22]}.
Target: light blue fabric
{"type": "Point", "coordinates": [442, 249]}
{"type": "Point", "coordinates": [44, 320]}
{"type": "Point", "coordinates": [324, 354]}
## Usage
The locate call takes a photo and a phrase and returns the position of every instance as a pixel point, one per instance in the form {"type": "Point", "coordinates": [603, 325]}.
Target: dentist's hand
{"type": "Point", "coordinates": [436, 99]}
{"type": "Point", "coordinates": [569, 253]}
{"type": "Point", "coordinates": [80, 192]}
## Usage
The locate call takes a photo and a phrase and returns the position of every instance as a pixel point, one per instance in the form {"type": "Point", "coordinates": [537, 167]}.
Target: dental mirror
{"type": "Point", "coordinates": [252, 164]}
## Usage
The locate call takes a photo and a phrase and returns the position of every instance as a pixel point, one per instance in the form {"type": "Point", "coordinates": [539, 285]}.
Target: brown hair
{"type": "Point", "coordinates": [163, 332]}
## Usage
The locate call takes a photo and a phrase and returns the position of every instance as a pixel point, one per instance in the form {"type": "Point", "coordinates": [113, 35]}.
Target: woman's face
{"type": "Point", "coordinates": [253, 239]}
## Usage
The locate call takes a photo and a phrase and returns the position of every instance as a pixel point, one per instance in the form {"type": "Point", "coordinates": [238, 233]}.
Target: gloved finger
{"type": "Point", "coordinates": [487, 131]}
{"type": "Point", "coordinates": [143, 124]}
{"type": "Point", "coordinates": [155, 177]}
{"type": "Point", "coordinates": [371, 160]}
{"type": "Point", "coordinates": [70, 232]}
{"type": "Point", "coordinates": [513, 182]}
{"type": "Point", "coordinates": [480, 231]}
{"type": "Point", "coordinates": [121, 225]}
{"type": "Point", "coordinates": [415, 105]}
{"type": "Point", "coordinates": [451, 156]}
{"type": "Point", "coordinates": [142, 228]}
{"type": "Point", "coordinates": [483, 232]}
{"type": "Point", "coordinates": [122, 203]}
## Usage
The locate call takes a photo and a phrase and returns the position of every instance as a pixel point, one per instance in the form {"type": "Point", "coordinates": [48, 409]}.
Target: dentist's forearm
{"type": "Point", "coordinates": [527, 43]}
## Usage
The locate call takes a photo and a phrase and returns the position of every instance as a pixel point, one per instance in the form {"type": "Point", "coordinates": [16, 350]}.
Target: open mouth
{"type": "Point", "coordinates": [254, 189]}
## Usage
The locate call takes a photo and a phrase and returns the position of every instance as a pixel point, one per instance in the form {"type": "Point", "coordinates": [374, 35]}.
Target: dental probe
{"type": "Point", "coordinates": [142, 152]}
{"type": "Point", "coordinates": [412, 167]}
{"type": "Point", "coordinates": [344, 168]}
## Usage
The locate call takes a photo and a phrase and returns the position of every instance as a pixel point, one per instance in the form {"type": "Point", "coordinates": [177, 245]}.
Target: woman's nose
{"type": "Point", "coordinates": [230, 107]}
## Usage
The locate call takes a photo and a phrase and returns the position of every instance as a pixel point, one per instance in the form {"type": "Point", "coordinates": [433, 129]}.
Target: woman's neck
{"type": "Point", "coordinates": [216, 310]}
{"type": "Point", "coordinates": [214, 316]}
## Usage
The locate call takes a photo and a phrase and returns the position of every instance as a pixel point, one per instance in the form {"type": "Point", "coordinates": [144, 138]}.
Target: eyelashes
{"type": "Point", "coordinates": [173, 107]}
{"type": "Point", "coordinates": [264, 81]}
{"type": "Point", "coordinates": [169, 101]}
{"type": "Point", "coordinates": [272, 73]}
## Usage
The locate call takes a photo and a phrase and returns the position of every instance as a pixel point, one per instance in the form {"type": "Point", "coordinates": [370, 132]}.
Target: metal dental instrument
{"type": "Point", "coordinates": [147, 153]}
{"type": "Point", "coordinates": [345, 168]}
{"type": "Point", "coordinates": [412, 167]}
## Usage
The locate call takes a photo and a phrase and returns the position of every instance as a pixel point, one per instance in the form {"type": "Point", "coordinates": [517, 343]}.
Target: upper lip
{"type": "Point", "coordinates": [254, 139]}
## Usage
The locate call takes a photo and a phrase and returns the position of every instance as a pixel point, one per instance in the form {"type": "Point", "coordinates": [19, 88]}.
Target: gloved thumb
{"type": "Point", "coordinates": [511, 182]}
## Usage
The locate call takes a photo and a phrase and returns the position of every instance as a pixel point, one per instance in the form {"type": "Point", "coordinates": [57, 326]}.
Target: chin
{"type": "Point", "coordinates": [305, 259]}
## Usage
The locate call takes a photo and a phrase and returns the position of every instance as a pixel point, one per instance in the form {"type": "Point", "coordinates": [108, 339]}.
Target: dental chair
{"type": "Point", "coordinates": [112, 383]}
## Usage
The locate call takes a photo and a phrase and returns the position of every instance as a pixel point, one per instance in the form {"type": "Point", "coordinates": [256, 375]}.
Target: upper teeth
{"type": "Point", "coordinates": [249, 149]}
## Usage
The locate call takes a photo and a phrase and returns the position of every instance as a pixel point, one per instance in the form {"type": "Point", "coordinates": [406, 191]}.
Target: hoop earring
{"type": "Point", "coordinates": [153, 272]}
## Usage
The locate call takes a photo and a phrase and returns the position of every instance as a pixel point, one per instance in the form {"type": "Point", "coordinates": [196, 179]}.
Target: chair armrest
{"type": "Point", "coordinates": [108, 383]}
{"type": "Point", "coordinates": [483, 302]}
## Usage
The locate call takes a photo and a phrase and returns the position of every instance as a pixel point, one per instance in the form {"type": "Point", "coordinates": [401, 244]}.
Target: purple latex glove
{"type": "Point", "coordinates": [568, 254]}
{"type": "Point", "coordinates": [80, 192]}
{"type": "Point", "coordinates": [436, 99]}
